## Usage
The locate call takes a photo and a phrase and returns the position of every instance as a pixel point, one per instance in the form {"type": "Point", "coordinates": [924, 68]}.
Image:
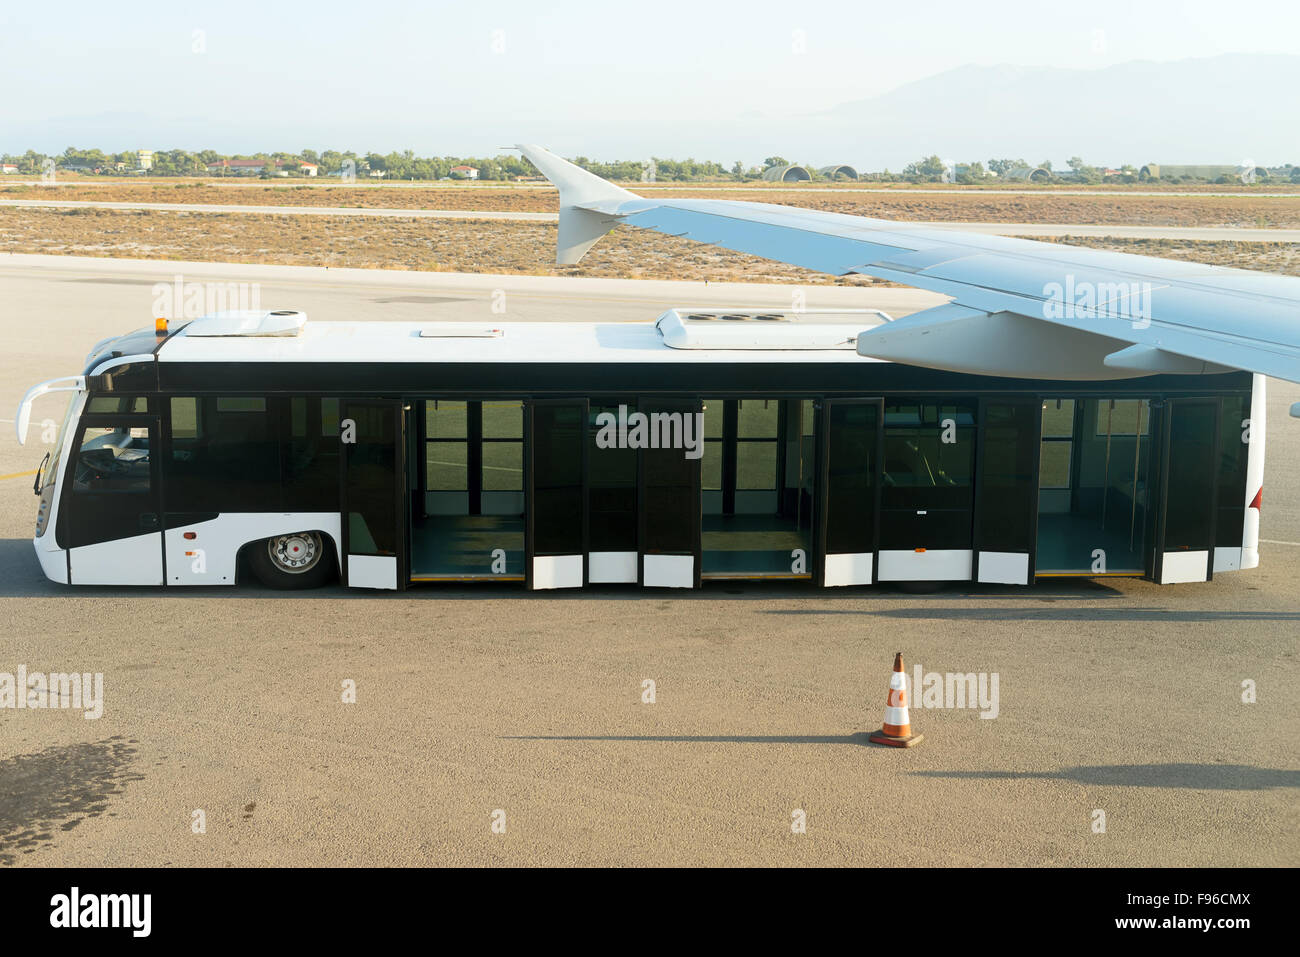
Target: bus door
{"type": "Point", "coordinates": [1006, 489]}
{"type": "Point", "coordinates": [669, 491]}
{"type": "Point", "coordinates": [849, 490]}
{"type": "Point", "coordinates": [109, 518]}
{"type": "Point", "coordinates": [373, 497]}
{"type": "Point", "coordinates": [926, 492]}
{"type": "Point", "coordinates": [555, 469]}
{"type": "Point", "coordinates": [1189, 459]}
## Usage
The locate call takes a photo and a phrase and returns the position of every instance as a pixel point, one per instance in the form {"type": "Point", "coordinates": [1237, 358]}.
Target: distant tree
{"type": "Point", "coordinates": [1084, 172]}
{"type": "Point", "coordinates": [931, 169]}
{"type": "Point", "coordinates": [1001, 167]}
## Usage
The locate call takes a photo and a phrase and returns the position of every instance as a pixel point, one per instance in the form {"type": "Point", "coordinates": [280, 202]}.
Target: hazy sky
{"type": "Point", "coordinates": [727, 81]}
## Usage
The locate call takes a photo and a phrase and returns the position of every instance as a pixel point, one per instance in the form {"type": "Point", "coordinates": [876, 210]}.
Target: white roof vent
{"type": "Point", "coordinates": [766, 329]}
{"type": "Point", "coordinates": [255, 323]}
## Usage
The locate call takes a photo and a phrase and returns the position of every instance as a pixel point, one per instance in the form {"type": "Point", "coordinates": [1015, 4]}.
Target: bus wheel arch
{"type": "Point", "coordinates": [306, 559]}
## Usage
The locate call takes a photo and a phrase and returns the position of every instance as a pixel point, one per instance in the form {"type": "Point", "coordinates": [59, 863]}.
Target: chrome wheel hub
{"type": "Point", "coordinates": [295, 553]}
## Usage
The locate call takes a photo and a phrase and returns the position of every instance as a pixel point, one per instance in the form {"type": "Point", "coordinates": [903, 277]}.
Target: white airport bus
{"type": "Point", "coordinates": [704, 445]}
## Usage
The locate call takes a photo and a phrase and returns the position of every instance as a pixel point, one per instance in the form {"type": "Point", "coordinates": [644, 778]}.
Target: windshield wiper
{"type": "Point", "coordinates": [40, 472]}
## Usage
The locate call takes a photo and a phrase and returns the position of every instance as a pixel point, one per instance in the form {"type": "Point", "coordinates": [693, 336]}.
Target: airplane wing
{"type": "Point", "coordinates": [1019, 308]}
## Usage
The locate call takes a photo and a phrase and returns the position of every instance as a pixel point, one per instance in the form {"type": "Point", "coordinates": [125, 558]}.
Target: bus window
{"type": "Point", "coordinates": [1006, 494]}
{"type": "Point", "coordinates": [446, 457]}
{"type": "Point", "coordinates": [310, 455]}
{"type": "Point", "coordinates": [926, 489]}
{"type": "Point", "coordinates": [112, 459]}
{"type": "Point", "coordinates": [1057, 452]}
{"type": "Point", "coordinates": [1234, 444]}
{"type": "Point", "coordinates": [611, 484]}
{"type": "Point", "coordinates": [225, 455]}
{"type": "Point", "coordinates": [116, 404]}
{"type": "Point", "coordinates": [503, 458]}
{"type": "Point", "coordinates": [852, 432]}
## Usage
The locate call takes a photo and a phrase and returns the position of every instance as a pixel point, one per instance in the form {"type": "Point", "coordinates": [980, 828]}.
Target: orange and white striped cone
{"type": "Point", "coordinates": [897, 729]}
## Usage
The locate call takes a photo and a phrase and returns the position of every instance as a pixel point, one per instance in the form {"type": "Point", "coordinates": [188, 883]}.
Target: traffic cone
{"type": "Point", "coordinates": [897, 730]}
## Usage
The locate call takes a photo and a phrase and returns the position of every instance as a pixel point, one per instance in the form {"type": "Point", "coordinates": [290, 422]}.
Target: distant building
{"type": "Point", "coordinates": [144, 159]}
{"type": "Point", "coordinates": [8, 168]}
{"type": "Point", "coordinates": [1209, 172]}
{"type": "Point", "coordinates": [840, 171]}
{"type": "Point", "coordinates": [468, 172]}
{"type": "Point", "coordinates": [1026, 174]}
{"type": "Point", "coordinates": [308, 169]}
{"type": "Point", "coordinates": [247, 167]}
{"type": "Point", "coordinates": [786, 174]}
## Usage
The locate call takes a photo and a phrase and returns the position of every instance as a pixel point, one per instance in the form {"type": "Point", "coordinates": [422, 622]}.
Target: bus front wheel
{"type": "Point", "coordinates": [297, 560]}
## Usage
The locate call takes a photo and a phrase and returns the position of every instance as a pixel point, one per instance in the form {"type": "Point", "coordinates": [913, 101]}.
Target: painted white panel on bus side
{"type": "Point", "coordinates": [372, 571]}
{"type": "Point", "coordinates": [1227, 560]}
{"type": "Point", "coordinates": [54, 560]}
{"type": "Point", "coordinates": [557, 571]}
{"type": "Point", "coordinates": [669, 571]}
{"type": "Point", "coordinates": [1180, 567]}
{"type": "Point", "coordinates": [611, 568]}
{"type": "Point", "coordinates": [1004, 568]}
{"type": "Point", "coordinates": [124, 561]}
{"type": "Point", "coordinates": [849, 569]}
{"type": "Point", "coordinates": [220, 539]}
{"type": "Point", "coordinates": [932, 565]}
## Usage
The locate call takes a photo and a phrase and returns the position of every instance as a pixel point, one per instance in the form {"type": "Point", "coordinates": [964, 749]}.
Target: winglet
{"type": "Point", "coordinates": [580, 224]}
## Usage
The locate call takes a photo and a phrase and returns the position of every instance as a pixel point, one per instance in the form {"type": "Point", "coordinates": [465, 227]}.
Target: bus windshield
{"type": "Point", "coordinates": [51, 473]}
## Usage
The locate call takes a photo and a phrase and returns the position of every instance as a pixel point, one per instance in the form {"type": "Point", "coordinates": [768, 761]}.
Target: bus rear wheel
{"type": "Point", "coordinates": [296, 560]}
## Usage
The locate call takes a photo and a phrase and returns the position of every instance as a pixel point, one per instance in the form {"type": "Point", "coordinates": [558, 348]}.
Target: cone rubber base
{"type": "Point", "coordinates": [909, 741]}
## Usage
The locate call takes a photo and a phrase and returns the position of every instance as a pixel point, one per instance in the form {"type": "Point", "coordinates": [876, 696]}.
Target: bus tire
{"type": "Point", "coordinates": [296, 560]}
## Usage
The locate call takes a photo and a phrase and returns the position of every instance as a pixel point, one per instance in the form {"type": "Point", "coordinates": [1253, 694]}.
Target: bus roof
{"type": "Point", "coordinates": [697, 336]}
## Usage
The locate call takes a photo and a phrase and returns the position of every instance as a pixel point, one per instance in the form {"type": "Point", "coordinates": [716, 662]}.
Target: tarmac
{"type": "Point", "coordinates": [491, 704]}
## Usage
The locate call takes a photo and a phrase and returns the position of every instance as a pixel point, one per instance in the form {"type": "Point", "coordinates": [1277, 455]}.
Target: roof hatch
{"type": "Point", "coordinates": [254, 323]}
{"type": "Point", "coordinates": [766, 328]}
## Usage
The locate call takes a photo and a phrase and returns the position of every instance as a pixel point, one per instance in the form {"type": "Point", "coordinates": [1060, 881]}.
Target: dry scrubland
{"type": "Point", "coordinates": [1268, 257]}
{"type": "Point", "coordinates": [1247, 208]}
{"type": "Point", "coordinates": [495, 246]}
